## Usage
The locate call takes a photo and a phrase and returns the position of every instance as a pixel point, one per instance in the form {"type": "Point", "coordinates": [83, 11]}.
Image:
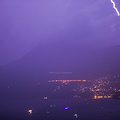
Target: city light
{"type": "Point", "coordinates": [69, 81]}
{"type": "Point", "coordinates": [66, 108]}
{"type": "Point", "coordinates": [75, 115]}
{"type": "Point", "coordinates": [45, 98]}
{"type": "Point", "coordinates": [101, 88]}
{"type": "Point", "coordinates": [30, 112]}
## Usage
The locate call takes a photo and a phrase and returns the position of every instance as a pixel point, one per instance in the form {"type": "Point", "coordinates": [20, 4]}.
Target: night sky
{"type": "Point", "coordinates": [25, 24]}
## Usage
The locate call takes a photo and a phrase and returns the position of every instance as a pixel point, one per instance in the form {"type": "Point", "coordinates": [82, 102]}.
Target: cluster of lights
{"type": "Point", "coordinates": [69, 81]}
{"type": "Point", "coordinates": [103, 87]}
{"type": "Point", "coordinates": [101, 97]}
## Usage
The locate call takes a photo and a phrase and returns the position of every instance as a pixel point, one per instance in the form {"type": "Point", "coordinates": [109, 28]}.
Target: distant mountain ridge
{"type": "Point", "coordinates": [81, 61]}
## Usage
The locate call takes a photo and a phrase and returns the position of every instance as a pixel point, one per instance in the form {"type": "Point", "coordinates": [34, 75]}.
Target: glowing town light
{"type": "Point", "coordinates": [45, 98]}
{"type": "Point", "coordinates": [115, 7]}
{"type": "Point", "coordinates": [66, 108]}
{"type": "Point", "coordinates": [95, 97]}
{"type": "Point", "coordinates": [30, 112]}
{"type": "Point", "coordinates": [75, 115]}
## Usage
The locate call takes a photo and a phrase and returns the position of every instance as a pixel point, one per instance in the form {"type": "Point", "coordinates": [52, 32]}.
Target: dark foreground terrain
{"type": "Point", "coordinates": [60, 109]}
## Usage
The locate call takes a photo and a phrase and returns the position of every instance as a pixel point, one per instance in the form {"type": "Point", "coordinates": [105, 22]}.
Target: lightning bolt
{"type": "Point", "coordinates": [115, 7]}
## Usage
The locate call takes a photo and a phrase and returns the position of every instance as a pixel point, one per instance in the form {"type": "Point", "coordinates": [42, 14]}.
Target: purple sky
{"type": "Point", "coordinates": [27, 23]}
